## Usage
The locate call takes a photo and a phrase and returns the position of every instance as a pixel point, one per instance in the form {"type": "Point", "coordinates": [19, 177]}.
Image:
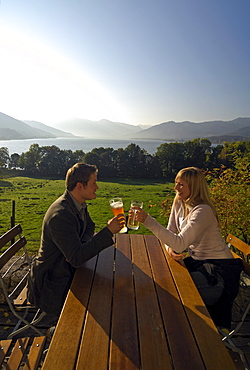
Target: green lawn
{"type": "Point", "coordinates": [33, 196]}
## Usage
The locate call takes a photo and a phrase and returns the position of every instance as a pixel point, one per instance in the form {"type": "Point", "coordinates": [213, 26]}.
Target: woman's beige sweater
{"type": "Point", "coordinates": [199, 232]}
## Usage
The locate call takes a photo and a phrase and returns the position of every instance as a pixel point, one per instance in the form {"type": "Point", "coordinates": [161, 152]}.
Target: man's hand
{"type": "Point", "coordinates": [116, 223]}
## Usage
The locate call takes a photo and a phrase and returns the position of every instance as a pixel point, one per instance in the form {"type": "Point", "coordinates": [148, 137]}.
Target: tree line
{"type": "Point", "coordinates": [131, 162]}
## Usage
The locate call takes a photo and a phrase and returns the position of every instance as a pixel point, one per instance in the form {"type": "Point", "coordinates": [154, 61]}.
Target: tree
{"type": "Point", "coordinates": [120, 163]}
{"type": "Point", "coordinates": [231, 151]}
{"type": "Point", "coordinates": [213, 160]}
{"type": "Point", "coordinates": [107, 159]}
{"type": "Point", "coordinates": [152, 167]}
{"type": "Point", "coordinates": [4, 157]}
{"type": "Point", "coordinates": [14, 159]}
{"type": "Point", "coordinates": [171, 158]}
{"type": "Point", "coordinates": [135, 161]}
{"type": "Point", "coordinates": [29, 160]}
{"type": "Point", "coordinates": [229, 189]}
{"type": "Point", "coordinates": [49, 160]}
{"type": "Point", "coordinates": [79, 154]}
{"type": "Point", "coordinates": [196, 152]}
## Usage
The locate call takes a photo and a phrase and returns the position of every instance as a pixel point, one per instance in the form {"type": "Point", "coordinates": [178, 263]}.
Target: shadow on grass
{"type": "Point", "coordinates": [5, 184]}
{"type": "Point", "coordinates": [135, 181]}
{"type": "Point", "coordinates": [130, 181]}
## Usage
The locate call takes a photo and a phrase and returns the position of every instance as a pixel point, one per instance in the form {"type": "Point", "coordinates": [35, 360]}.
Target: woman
{"type": "Point", "coordinates": [194, 225]}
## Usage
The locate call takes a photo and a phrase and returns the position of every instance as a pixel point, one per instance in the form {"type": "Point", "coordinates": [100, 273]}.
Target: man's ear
{"type": "Point", "coordinates": [79, 186]}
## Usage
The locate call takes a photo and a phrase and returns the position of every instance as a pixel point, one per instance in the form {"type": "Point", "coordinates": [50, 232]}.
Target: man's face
{"type": "Point", "coordinates": [89, 191]}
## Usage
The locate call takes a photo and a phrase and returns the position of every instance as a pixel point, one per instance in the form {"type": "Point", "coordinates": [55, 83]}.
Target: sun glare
{"type": "Point", "coordinates": [38, 83]}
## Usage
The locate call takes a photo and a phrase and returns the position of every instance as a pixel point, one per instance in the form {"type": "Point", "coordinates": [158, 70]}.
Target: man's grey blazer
{"type": "Point", "coordinates": [66, 243]}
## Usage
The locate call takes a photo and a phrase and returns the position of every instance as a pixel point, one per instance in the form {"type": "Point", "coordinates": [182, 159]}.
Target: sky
{"type": "Point", "coordinates": [132, 61]}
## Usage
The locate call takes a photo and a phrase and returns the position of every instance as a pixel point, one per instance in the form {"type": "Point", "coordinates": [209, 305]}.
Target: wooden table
{"type": "Point", "coordinates": [134, 307]}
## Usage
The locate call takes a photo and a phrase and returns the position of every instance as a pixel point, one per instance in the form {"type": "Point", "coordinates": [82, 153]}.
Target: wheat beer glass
{"type": "Point", "coordinates": [132, 223]}
{"type": "Point", "coordinates": [116, 205]}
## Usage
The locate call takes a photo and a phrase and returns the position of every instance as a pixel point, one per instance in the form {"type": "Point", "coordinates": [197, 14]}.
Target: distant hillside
{"type": "Point", "coordinates": [51, 130]}
{"type": "Point", "coordinates": [10, 134]}
{"type": "Point", "coordinates": [243, 134]}
{"type": "Point", "coordinates": [182, 131]}
{"type": "Point", "coordinates": [13, 129]}
{"type": "Point", "coordinates": [103, 129]}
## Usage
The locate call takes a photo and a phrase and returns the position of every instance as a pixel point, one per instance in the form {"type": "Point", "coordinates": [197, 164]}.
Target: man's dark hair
{"type": "Point", "coordinates": [80, 172]}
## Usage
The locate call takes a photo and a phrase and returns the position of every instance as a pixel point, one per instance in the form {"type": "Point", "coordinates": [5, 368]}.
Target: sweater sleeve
{"type": "Point", "coordinates": [198, 220]}
{"type": "Point", "coordinates": [172, 225]}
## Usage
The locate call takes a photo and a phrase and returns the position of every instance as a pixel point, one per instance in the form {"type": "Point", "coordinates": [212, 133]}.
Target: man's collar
{"type": "Point", "coordinates": [78, 205]}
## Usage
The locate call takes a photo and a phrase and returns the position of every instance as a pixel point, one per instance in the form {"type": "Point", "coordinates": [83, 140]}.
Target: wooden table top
{"type": "Point", "coordinates": [134, 307]}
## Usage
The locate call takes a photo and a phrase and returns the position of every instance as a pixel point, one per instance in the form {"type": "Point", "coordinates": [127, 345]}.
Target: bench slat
{"type": "Point", "coordinates": [35, 353]}
{"type": "Point", "coordinates": [18, 353]}
{"type": "Point", "coordinates": [11, 251]}
{"type": "Point", "coordinates": [10, 235]}
{"type": "Point", "coordinates": [4, 347]}
{"type": "Point", "coordinates": [239, 244]}
{"type": "Point", "coordinates": [243, 248]}
{"type": "Point", "coordinates": [22, 297]}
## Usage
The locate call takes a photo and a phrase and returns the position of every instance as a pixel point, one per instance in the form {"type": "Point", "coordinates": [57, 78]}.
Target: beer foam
{"type": "Point", "coordinates": [117, 205]}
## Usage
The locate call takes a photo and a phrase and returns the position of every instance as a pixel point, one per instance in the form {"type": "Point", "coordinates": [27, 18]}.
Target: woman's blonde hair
{"type": "Point", "coordinates": [197, 184]}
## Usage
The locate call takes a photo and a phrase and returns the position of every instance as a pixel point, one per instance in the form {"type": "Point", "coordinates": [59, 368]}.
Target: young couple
{"type": "Point", "coordinates": [68, 240]}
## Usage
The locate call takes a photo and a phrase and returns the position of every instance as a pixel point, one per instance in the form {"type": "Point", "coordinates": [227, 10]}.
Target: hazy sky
{"type": "Point", "coordinates": [133, 61]}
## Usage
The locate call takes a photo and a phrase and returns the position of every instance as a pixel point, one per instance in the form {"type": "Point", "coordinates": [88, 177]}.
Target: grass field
{"type": "Point", "coordinates": [33, 197]}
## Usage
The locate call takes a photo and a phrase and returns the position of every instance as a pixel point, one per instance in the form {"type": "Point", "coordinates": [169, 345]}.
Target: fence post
{"type": "Point", "coordinates": [13, 218]}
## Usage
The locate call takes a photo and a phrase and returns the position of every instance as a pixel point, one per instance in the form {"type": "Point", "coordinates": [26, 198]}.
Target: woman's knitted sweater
{"type": "Point", "coordinates": [199, 232]}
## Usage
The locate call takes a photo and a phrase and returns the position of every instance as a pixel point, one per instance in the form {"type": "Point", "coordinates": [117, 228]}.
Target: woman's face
{"type": "Point", "coordinates": [182, 189]}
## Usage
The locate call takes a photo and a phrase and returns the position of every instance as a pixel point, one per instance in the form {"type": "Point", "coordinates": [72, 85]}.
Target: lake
{"type": "Point", "coordinates": [21, 146]}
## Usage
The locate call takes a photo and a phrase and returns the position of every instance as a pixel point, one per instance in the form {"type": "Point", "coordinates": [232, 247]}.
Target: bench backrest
{"type": "Point", "coordinates": [6, 265]}
{"type": "Point", "coordinates": [241, 250]}
{"type": "Point", "coordinates": [10, 235]}
{"type": "Point", "coordinates": [24, 352]}
{"type": "Point", "coordinates": [14, 286]}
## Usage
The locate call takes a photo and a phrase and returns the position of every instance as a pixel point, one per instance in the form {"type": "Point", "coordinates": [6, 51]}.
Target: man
{"type": "Point", "coordinates": [68, 240]}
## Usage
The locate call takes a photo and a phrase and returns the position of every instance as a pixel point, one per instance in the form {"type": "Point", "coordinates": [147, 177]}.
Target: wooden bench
{"type": "Point", "coordinates": [24, 353]}
{"type": "Point", "coordinates": [16, 296]}
{"type": "Point", "coordinates": [241, 250]}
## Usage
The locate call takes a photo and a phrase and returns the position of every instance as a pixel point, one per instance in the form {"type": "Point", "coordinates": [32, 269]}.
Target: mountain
{"type": "Point", "coordinates": [54, 131]}
{"type": "Point", "coordinates": [13, 129]}
{"type": "Point", "coordinates": [243, 134]}
{"type": "Point", "coordinates": [182, 131]}
{"type": "Point", "coordinates": [216, 131]}
{"type": "Point", "coordinates": [103, 129]}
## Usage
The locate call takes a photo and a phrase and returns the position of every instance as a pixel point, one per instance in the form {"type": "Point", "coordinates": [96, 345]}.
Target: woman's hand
{"type": "Point", "coordinates": [176, 256]}
{"type": "Point", "coordinates": [116, 223]}
{"type": "Point", "coordinates": [140, 214]}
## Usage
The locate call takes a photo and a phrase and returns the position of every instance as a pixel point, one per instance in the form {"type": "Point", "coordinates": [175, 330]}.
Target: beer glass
{"type": "Point", "coordinates": [132, 223]}
{"type": "Point", "coordinates": [116, 205]}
